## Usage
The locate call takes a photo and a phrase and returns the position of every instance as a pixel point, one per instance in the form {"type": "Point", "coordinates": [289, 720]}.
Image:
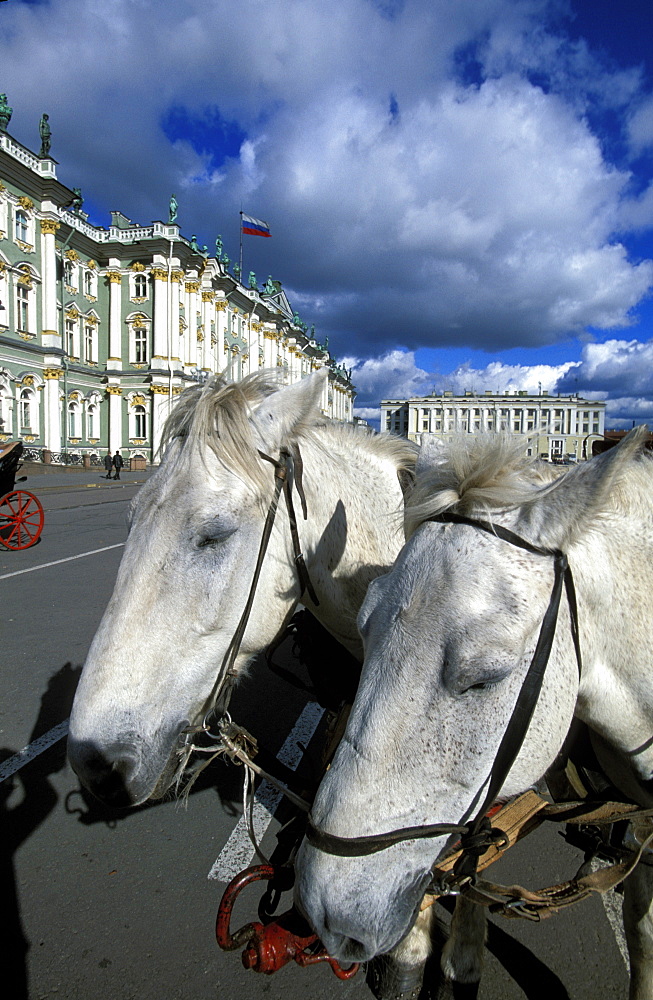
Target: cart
{"type": "Point", "coordinates": [21, 513]}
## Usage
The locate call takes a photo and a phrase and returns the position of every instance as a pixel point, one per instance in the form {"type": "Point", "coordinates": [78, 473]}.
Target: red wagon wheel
{"type": "Point", "coordinates": [21, 519]}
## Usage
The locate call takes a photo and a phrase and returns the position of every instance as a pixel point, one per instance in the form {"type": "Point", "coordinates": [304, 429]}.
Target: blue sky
{"type": "Point", "coordinates": [460, 192]}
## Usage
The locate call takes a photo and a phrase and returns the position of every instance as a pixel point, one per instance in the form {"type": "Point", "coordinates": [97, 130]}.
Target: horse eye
{"type": "Point", "coordinates": [211, 541]}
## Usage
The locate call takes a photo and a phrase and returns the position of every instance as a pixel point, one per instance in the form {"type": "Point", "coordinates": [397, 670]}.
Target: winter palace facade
{"type": "Point", "coordinates": [558, 429]}
{"type": "Point", "coordinates": [102, 328]}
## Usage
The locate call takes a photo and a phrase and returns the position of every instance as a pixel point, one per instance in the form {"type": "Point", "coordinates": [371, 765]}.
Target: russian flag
{"type": "Point", "coordinates": [254, 227]}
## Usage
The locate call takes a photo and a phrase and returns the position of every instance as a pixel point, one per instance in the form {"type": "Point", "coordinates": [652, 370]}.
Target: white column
{"type": "Point", "coordinates": [177, 277]}
{"type": "Point", "coordinates": [114, 360]}
{"type": "Point", "coordinates": [52, 418]}
{"type": "Point", "coordinates": [192, 288]}
{"type": "Point", "coordinates": [160, 342]}
{"type": "Point", "coordinates": [160, 410]}
{"type": "Point", "coordinates": [207, 311]}
{"type": "Point", "coordinates": [51, 334]}
{"type": "Point", "coordinates": [115, 418]}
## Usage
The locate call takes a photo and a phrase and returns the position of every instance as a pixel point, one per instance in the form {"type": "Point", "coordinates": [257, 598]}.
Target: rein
{"type": "Point", "coordinates": [478, 835]}
{"type": "Point", "coordinates": [287, 463]}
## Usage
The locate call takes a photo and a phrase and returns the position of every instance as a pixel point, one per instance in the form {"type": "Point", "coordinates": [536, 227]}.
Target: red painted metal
{"type": "Point", "coordinates": [21, 519]}
{"type": "Point", "coordinates": [268, 947]}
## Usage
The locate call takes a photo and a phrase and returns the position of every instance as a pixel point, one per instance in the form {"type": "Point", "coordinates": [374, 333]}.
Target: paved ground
{"type": "Point", "coordinates": [119, 905]}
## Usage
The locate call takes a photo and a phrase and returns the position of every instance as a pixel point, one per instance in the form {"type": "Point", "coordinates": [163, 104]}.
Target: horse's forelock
{"type": "Point", "coordinates": [476, 472]}
{"type": "Point", "coordinates": [216, 416]}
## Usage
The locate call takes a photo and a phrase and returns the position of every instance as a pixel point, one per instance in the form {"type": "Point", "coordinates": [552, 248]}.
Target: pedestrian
{"type": "Point", "coordinates": [108, 465]}
{"type": "Point", "coordinates": [117, 464]}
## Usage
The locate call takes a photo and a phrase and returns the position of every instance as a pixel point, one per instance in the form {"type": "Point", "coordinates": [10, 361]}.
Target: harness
{"type": "Point", "coordinates": [478, 835]}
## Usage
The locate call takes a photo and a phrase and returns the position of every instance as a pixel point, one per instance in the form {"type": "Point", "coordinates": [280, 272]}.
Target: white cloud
{"type": "Point", "coordinates": [409, 206]}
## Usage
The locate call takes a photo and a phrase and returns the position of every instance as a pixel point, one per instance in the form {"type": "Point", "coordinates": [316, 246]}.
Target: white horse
{"type": "Point", "coordinates": [189, 559]}
{"type": "Point", "coordinates": [449, 634]}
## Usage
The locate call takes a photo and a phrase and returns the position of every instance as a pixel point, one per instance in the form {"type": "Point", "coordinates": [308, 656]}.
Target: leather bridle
{"type": "Point", "coordinates": [288, 470]}
{"type": "Point", "coordinates": [478, 834]}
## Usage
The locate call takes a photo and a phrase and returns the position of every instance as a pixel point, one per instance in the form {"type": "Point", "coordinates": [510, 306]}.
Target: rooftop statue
{"type": "Point", "coordinates": [236, 270]}
{"type": "Point", "coordinates": [174, 205]}
{"type": "Point", "coordinates": [45, 132]}
{"type": "Point", "coordinates": [252, 281]}
{"type": "Point", "coordinates": [194, 245]}
{"type": "Point", "coordinates": [77, 201]}
{"type": "Point", "coordinates": [5, 113]}
{"type": "Point", "coordinates": [269, 286]}
{"type": "Point", "coordinates": [218, 248]}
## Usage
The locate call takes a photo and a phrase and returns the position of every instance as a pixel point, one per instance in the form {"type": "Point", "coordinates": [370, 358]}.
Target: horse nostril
{"type": "Point", "coordinates": [105, 773]}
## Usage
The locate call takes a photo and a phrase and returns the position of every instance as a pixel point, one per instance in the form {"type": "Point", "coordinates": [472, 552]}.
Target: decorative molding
{"type": "Point", "coordinates": [49, 227]}
{"type": "Point", "coordinates": [25, 247]}
{"type": "Point", "coordinates": [159, 273]}
{"type": "Point", "coordinates": [52, 373]}
{"type": "Point", "coordinates": [192, 286]}
{"type": "Point", "coordinates": [28, 380]}
{"type": "Point", "coordinates": [208, 296]}
{"type": "Point", "coordinates": [26, 203]}
{"type": "Point", "coordinates": [91, 265]}
{"type": "Point", "coordinates": [50, 333]}
{"type": "Point", "coordinates": [137, 400]}
{"type": "Point", "coordinates": [221, 305]}
{"type": "Point", "coordinates": [137, 266]}
{"type": "Point", "coordinates": [25, 335]}
{"type": "Point", "coordinates": [71, 255]}
{"type": "Point", "coordinates": [3, 267]}
{"type": "Point", "coordinates": [200, 337]}
{"type": "Point", "coordinates": [159, 390]}
{"type": "Point", "coordinates": [75, 396]}
{"type": "Point", "coordinates": [91, 320]}
{"type": "Point", "coordinates": [115, 277]}
{"type": "Point", "coordinates": [72, 313]}
{"type": "Point", "coordinates": [114, 390]}
{"type": "Point", "coordinates": [177, 276]}
{"type": "Point", "coordinates": [257, 327]}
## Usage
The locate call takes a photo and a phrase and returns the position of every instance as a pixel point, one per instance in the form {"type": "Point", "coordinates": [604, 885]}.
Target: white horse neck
{"type": "Point", "coordinates": [354, 528]}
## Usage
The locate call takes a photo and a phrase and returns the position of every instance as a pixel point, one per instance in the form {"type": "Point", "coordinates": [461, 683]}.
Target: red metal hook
{"type": "Point", "coordinates": [271, 946]}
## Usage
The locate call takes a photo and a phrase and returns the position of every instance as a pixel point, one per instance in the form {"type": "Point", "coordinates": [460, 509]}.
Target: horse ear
{"type": "Point", "coordinates": [283, 415]}
{"type": "Point", "coordinates": [564, 510]}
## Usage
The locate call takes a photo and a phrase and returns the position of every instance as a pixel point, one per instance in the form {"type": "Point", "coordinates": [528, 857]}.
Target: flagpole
{"type": "Point", "coordinates": [240, 262]}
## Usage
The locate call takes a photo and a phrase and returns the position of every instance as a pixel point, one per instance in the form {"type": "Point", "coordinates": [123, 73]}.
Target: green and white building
{"type": "Point", "coordinates": [101, 328]}
{"type": "Point", "coordinates": [554, 428]}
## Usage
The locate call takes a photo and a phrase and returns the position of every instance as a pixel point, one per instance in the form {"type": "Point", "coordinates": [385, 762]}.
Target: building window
{"type": "Point", "coordinates": [558, 421]}
{"type": "Point", "coordinates": [22, 303]}
{"type": "Point", "coordinates": [22, 226]}
{"type": "Point", "coordinates": [69, 274]}
{"type": "Point", "coordinates": [140, 422]}
{"type": "Point", "coordinates": [25, 411]}
{"type": "Point", "coordinates": [530, 420]}
{"type": "Point", "coordinates": [89, 283]}
{"type": "Point", "coordinates": [504, 420]}
{"type": "Point", "coordinates": [70, 338]}
{"type": "Point", "coordinates": [140, 345]}
{"type": "Point", "coordinates": [89, 343]}
{"type": "Point", "coordinates": [73, 421]}
{"type": "Point", "coordinates": [516, 422]}
{"type": "Point", "coordinates": [91, 421]}
{"type": "Point", "coordinates": [140, 286]}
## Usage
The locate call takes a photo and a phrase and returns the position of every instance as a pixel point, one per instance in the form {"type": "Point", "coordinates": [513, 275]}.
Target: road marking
{"type": "Point", "coordinates": [237, 853]}
{"type": "Point", "coordinates": [56, 562]}
{"type": "Point", "coordinates": [28, 753]}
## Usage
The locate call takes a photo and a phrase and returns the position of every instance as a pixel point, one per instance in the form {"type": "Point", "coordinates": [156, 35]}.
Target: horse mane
{"type": "Point", "coordinates": [217, 415]}
{"type": "Point", "coordinates": [477, 472]}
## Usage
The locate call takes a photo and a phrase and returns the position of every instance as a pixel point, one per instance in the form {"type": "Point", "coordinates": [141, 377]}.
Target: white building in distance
{"type": "Point", "coordinates": [555, 428]}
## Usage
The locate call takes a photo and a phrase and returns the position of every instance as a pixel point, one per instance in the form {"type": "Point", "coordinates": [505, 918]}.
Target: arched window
{"type": "Point", "coordinates": [22, 226]}
{"type": "Point", "coordinates": [91, 422]}
{"type": "Point", "coordinates": [90, 353]}
{"type": "Point", "coordinates": [88, 282]}
{"type": "Point", "coordinates": [22, 308]}
{"type": "Point", "coordinates": [68, 272]}
{"type": "Point", "coordinates": [140, 422]}
{"type": "Point", "coordinates": [25, 411]}
{"type": "Point", "coordinates": [73, 420]}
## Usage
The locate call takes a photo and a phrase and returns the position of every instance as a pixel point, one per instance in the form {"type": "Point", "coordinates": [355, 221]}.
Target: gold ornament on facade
{"type": "Point", "coordinates": [200, 337]}
{"type": "Point", "coordinates": [75, 396]}
{"type": "Point", "coordinates": [49, 227]}
{"type": "Point", "coordinates": [214, 340]}
{"type": "Point", "coordinates": [115, 277]}
{"type": "Point", "coordinates": [91, 265]}
{"type": "Point", "coordinates": [192, 286]}
{"type": "Point", "coordinates": [114, 390]}
{"type": "Point", "coordinates": [28, 380]}
{"type": "Point", "coordinates": [208, 296]}
{"type": "Point", "coordinates": [72, 313]}
{"type": "Point", "coordinates": [221, 305]}
{"type": "Point", "coordinates": [25, 247]}
{"type": "Point", "coordinates": [71, 255]}
{"type": "Point", "coordinates": [257, 327]}
{"type": "Point", "coordinates": [159, 273]}
{"type": "Point", "coordinates": [137, 400]}
{"type": "Point", "coordinates": [177, 276]}
{"type": "Point", "coordinates": [52, 373]}
{"type": "Point", "coordinates": [26, 203]}
{"type": "Point", "coordinates": [3, 267]}
{"type": "Point", "coordinates": [137, 266]}
{"type": "Point", "coordinates": [159, 390]}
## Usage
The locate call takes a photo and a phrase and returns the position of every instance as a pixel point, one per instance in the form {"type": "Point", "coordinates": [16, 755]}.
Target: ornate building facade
{"type": "Point", "coordinates": [102, 328]}
{"type": "Point", "coordinates": [555, 428]}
